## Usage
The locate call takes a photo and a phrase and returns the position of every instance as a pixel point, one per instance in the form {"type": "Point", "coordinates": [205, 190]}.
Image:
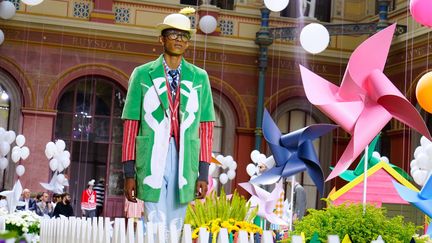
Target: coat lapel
{"type": "Point", "coordinates": [157, 71]}
{"type": "Point", "coordinates": [187, 74]}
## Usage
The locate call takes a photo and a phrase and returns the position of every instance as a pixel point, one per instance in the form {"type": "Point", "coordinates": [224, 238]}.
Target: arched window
{"type": "Point", "coordinates": [223, 133]}
{"type": "Point", "coordinates": [297, 114]}
{"type": "Point", "coordinates": [10, 119]}
{"type": "Point", "coordinates": [89, 121]}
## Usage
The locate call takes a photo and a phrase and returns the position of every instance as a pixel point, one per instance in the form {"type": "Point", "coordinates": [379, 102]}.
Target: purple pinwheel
{"type": "Point", "coordinates": [421, 200]}
{"type": "Point", "coordinates": [293, 152]}
{"type": "Point", "coordinates": [366, 100]}
{"type": "Point", "coordinates": [265, 201]}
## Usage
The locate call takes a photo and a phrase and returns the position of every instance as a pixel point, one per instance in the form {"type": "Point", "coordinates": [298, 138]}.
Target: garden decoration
{"type": "Point", "coordinates": [421, 200]}
{"type": "Point", "coordinates": [365, 95]}
{"type": "Point", "coordinates": [421, 165]}
{"type": "Point", "coordinates": [374, 158]}
{"type": "Point", "coordinates": [59, 161]}
{"type": "Point", "coordinates": [265, 201]}
{"type": "Point", "coordinates": [293, 152]}
{"type": "Point", "coordinates": [420, 11]}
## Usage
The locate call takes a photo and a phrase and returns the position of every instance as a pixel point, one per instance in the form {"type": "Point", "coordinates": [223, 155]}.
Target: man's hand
{"type": "Point", "coordinates": [201, 189]}
{"type": "Point", "coordinates": [130, 189]}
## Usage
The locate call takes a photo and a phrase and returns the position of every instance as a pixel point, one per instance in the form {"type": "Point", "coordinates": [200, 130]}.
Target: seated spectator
{"type": "Point", "coordinates": [29, 203]}
{"type": "Point", "coordinates": [64, 207]}
{"type": "Point", "coordinates": [44, 207]}
{"type": "Point", "coordinates": [56, 198]}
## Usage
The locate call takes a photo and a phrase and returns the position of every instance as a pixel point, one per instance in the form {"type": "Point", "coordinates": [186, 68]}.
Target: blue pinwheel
{"type": "Point", "coordinates": [293, 152]}
{"type": "Point", "coordinates": [421, 200]}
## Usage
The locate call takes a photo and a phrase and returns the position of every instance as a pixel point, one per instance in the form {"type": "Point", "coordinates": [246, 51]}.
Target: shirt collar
{"type": "Point", "coordinates": [168, 69]}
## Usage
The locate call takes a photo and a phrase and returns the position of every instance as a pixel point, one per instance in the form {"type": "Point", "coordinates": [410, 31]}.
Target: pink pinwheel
{"type": "Point", "coordinates": [265, 201]}
{"type": "Point", "coordinates": [366, 100]}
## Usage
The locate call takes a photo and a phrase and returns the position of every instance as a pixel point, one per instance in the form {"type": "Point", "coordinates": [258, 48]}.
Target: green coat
{"type": "Point", "coordinates": [147, 102]}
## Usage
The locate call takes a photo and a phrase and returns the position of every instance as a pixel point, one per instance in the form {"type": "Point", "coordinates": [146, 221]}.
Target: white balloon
{"type": "Point", "coordinates": [16, 155]}
{"type": "Point", "coordinates": [428, 150]}
{"type": "Point", "coordinates": [314, 38]}
{"type": "Point", "coordinates": [220, 158]}
{"type": "Point", "coordinates": [212, 169]}
{"type": "Point", "coordinates": [229, 158]}
{"type": "Point", "coordinates": [422, 160]}
{"type": "Point", "coordinates": [261, 158]}
{"type": "Point", "coordinates": [1, 42]}
{"type": "Point", "coordinates": [255, 155]}
{"type": "Point", "coordinates": [424, 141]}
{"type": "Point", "coordinates": [385, 159]}
{"type": "Point", "coordinates": [60, 166]}
{"type": "Point", "coordinates": [66, 154]}
{"type": "Point", "coordinates": [2, 130]}
{"type": "Point", "coordinates": [66, 163]}
{"type": "Point", "coordinates": [60, 178]}
{"type": "Point", "coordinates": [223, 178]}
{"type": "Point", "coordinates": [420, 177]}
{"type": "Point", "coordinates": [233, 166]}
{"type": "Point", "coordinates": [32, 2]}
{"type": "Point", "coordinates": [53, 164]}
{"type": "Point", "coordinates": [414, 168]}
{"type": "Point", "coordinates": [207, 24]}
{"type": "Point", "coordinates": [20, 170]}
{"type": "Point", "coordinates": [48, 153]}
{"type": "Point", "coordinates": [375, 154]}
{"type": "Point", "coordinates": [61, 145]}
{"type": "Point", "coordinates": [419, 150]}
{"type": "Point", "coordinates": [25, 152]}
{"type": "Point", "coordinates": [4, 148]}
{"type": "Point", "coordinates": [228, 162]}
{"type": "Point", "coordinates": [20, 140]}
{"type": "Point", "coordinates": [413, 163]}
{"type": "Point", "coordinates": [7, 10]}
{"type": "Point", "coordinates": [3, 163]}
{"type": "Point", "coordinates": [231, 174]}
{"type": "Point", "coordinates": [10, 136]}
{"type": "Point", "coordinates": [251, 169]}
{"type": "Point", "coordinates": [276, 5]}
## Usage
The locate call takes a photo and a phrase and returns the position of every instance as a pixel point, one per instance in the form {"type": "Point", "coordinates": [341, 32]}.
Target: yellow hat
{"type": "Point", "coordinates": [176, 21]}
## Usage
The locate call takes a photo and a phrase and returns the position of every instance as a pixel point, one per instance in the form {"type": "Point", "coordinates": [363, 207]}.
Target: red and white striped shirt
{"type": "Point", "coordinates": [130, 131]}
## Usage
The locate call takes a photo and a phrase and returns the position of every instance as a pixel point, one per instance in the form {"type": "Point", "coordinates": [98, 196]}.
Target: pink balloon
{"type": "Point", "coordinates": [421, 11]}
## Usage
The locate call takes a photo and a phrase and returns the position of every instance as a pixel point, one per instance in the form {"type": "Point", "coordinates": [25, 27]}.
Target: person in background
{"type": "Point", "coordinates": [299, 205]}
{"type": "Point", "coordinates": [88, 200]}
{"type": "Point", "coordinates": [64, 207]}
{"type": "Point", "coordinates": [3, 202]}
{"type": "Point", "coordinates": [43, 207]}
{"type": "Point", "coordinates": [99, 188]}
{"type": "Point", "coordinates": [29, 203]}
{"type": "Point", "coordinates": [56, 198]}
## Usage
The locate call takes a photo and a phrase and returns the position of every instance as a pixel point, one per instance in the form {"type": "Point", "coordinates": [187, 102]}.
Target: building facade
{"type": "Point", "coordinates": [65, 66]}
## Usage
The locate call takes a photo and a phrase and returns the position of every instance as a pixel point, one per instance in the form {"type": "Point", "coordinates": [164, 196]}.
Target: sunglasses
{"type": "Point", "coordinates": [174, 35]}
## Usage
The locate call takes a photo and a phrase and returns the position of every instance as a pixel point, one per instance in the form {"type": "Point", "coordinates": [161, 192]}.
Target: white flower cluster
{"type": "Point", "coordinates": [21, 219]}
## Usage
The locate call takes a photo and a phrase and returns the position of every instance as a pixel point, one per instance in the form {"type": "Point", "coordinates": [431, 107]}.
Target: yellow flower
{"type": "Point", "coordinates": [187, 11]}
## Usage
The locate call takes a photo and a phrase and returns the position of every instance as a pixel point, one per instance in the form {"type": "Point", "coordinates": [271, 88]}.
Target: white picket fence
{"type": "Point", "coordinates": [100, 230]}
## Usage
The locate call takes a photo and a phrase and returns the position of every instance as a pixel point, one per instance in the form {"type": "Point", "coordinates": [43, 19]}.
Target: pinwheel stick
{"type": "Point", "coordinates": [365, 179]}
{"type": "Point", "coordinates": [292, 202]}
